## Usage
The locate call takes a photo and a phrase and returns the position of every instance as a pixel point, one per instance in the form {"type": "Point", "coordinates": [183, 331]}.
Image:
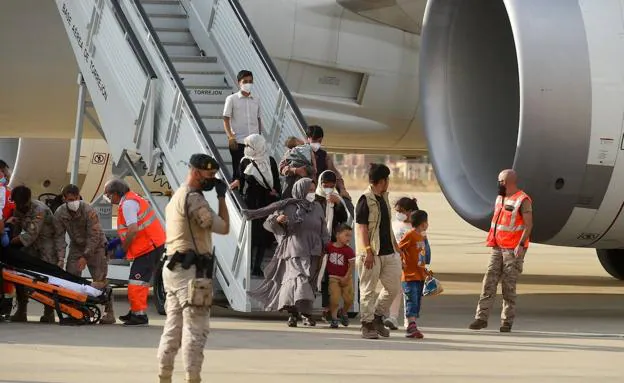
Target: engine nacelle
{"type": "Point", "coordinates": [534, 85]}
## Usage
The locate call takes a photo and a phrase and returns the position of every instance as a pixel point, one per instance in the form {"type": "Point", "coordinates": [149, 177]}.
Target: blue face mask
{"type": "Point", "coordinates": [3, 181]}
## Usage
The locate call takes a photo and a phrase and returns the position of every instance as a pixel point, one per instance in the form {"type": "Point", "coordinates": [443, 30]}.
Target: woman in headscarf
{"type": "Point", "coordinates": [290, 278]}
{"type": "Point", "coordinates": [335, 214]}
{"type": "Point", "coordinates": [258, 183]}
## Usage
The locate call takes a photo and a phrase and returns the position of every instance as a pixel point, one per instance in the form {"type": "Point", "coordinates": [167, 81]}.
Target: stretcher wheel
{"type": "Point", "coordinates": [92, 314]}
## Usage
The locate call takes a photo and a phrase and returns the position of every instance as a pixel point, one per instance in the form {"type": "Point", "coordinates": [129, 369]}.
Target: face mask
{"type": "Point", "coordinates": [423, 233]}
{"type": "Point", "coordinates": [107, 199]}
{"type": "Point", "coordinates": [73, 205]}
{"type": "Point", "coordinates": [328, 191]}
{"type": "Point", "coordinates": [315, 146]}
{"type": "Point", "coordinates": [502, 190]}
{"type": "Point", "coordinates": [400, 217]}
{"type": "Point", "coordinates": [310, 197]}
{"type": "Point", "coordinates": [247, 88]}
{"type": "Point", "coordinates": [207, 184]}
{"type": "Point", "coordinates": [3, 181]}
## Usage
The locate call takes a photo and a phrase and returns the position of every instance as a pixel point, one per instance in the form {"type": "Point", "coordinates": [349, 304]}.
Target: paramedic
{"type": "Point", "coordinates": [509, 239]}
{"type": "Point", "coordinates": [143, 239]}
{"type": "Point", "coordinates": [87, 241]}
{"type": "Point", "coordinates": [35, 223]}
{"type": "Point", "coordinates": [6, 208]}
{"type": "Point", "coordinates": [190, 224]}
{"type": "Point", "coordinates": [323, 159]}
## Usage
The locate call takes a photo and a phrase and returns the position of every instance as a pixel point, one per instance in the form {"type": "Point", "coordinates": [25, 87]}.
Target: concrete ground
{"type": "Point", "coordinates": [570, 328]}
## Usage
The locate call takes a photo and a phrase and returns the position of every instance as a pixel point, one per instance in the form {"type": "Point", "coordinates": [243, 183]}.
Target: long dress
{"type": "Point", "coordinates": [257, 196]}
{"type": "Point", "coordinates": [290, 277]}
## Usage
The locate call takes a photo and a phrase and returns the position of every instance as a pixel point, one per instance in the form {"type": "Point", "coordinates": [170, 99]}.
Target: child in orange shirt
{"type": "Point", "coordinates": [413, 257]}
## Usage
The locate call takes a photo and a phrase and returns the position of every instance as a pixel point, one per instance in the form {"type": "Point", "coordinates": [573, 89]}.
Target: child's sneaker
{"type": "Point", "coordinates": [413, 332]}
{"type": "Point", "coordinates": [333, 323]}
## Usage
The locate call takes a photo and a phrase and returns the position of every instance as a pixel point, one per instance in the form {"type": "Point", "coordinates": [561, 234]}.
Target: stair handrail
{"type": "Point", "coordinates": [225, 173]}
{"type": "Point", "coordinates": [134, 41]}
{"type": "Point", "coordinates": [268, 63]}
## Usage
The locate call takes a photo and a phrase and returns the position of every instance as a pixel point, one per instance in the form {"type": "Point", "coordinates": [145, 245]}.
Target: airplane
{"type": "Point", "coordinates": [480, 85]}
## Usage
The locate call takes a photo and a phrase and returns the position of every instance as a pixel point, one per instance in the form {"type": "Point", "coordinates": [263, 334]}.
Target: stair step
{"type": "Point", "coordinates": [164, 9]}
{"type": "Point", "coordinates": [186, 49]}
{"type": "Point", "coordinates": [209, 79]}
{"type": "Point", "coordinates": [209, 93]}
{"type": "Point", "coordinates": [210, 108]}
{"type": "Point", "coordinates": [220, 140]}
{"type": "Point", "coordinates": [175, 35]}
{"type": "Point", "coordinates": [196, 63]}
{"type": "Point", "coordinates": [169, 21]}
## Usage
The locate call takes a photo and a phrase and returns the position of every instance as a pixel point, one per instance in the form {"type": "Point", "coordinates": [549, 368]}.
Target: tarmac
{"type": "Point", "coordinates": [570, 328]}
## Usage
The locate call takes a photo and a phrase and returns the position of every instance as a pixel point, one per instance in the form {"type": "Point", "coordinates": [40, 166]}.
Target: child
{"type": "Point", "coordinates": [340, 262]}
{"type": "Point", "coordinates": [413, 257]}
{"type": "Point", "coordinates": [403, 210]}
{"type": "Point", "coordinates": [297, 162]}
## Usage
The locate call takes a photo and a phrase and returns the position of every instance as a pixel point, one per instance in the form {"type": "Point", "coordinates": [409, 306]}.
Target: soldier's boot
{"type": "Point", "coordinates": [48, 315]}
{"type": "Point", "coordinates": [478, 324]}
{"type": "Point", "coordinates": [368, 331]}
{"type": "Point", "coordinates": [193, 378]}
{"type": "Point", "coordinates": [6, 306]}
{"type": "Point", "coordinates": [380, 327]}
{"type": "Point", "coordinates": [165, 375]}
{"type": "Point", "coordinates": [109, 316]}
{"type": "Point", "coordinates": [21, 297]}
{"type": "Point", "coordinates": [505, 326]}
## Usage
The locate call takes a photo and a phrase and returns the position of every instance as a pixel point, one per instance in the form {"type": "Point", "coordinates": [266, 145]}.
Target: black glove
{"type": "Point", "coordinates": [221, 188]}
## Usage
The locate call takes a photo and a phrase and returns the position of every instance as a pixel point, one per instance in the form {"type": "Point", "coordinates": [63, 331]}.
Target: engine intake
{"type": "Point", "coordinates": [507, 84]}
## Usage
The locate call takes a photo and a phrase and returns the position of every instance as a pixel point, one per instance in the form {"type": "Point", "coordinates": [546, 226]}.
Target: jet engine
{"type": "Point", "coordinates": [536, 86]}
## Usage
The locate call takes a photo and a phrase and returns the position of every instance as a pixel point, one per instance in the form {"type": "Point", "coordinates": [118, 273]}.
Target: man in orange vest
{"type": "Point", "coordinates": [143, 239]}
{"type": "Point", "coordinates": [6, 209]}
{"type": "Point", "coordinates": [509, 239]}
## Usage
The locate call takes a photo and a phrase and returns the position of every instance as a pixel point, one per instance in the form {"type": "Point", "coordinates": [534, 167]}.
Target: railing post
{"type": "Point", "coordinates": [79, 128]}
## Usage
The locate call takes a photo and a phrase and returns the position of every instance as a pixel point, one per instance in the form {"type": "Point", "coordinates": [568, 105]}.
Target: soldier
{"type": "Point", "coordinates": [143, 240]}
{"type": "Point", "coordinates": [87, 241]}
{"type": "Point", "coordinates": [190, 222]}
{"type": "Point", "coordinates": [509, 238]}
{"type": "Point", "coordinates": [35, 223]}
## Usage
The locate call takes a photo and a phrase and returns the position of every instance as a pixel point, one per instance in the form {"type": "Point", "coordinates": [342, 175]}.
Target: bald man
{"type": "Point", "coordinates": [509, 239]}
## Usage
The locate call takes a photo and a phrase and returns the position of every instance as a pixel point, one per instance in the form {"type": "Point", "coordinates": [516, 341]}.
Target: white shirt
{"type": "Point", "coordinates": [244, 114]}
{"type": "Point", "coordinates": [130, 211]}
{"type": "Point", "coordinates": [2, 200]}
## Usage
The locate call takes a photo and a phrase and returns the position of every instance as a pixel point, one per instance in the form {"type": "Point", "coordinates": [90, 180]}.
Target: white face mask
{"type": "Point", "coordinates": [328, 191]}
{"type": "Point", "coordinates": [315, 146]}
{"type": "Point", "coordinates": [310, 197]}
{"type": "Point", "coordinates": [108, 200]}
{"type": "Point", "coordinates": [400, 217]}
{"type": "Point", "coordinates": [247, 88]}
{"type": "Point", "coordinates": [73, 205]}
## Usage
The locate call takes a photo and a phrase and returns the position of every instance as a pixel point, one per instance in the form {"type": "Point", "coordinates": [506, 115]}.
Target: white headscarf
{"type": "Point", "coordinates": [256, 151]}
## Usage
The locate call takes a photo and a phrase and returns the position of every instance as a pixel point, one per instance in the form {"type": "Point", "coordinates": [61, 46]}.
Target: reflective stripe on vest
{"type": "Point", "coordinates": [512, 222]}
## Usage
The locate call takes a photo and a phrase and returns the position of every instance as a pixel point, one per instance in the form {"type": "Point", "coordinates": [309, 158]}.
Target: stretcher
{"type": "Point", "coordinates": [73, 298]}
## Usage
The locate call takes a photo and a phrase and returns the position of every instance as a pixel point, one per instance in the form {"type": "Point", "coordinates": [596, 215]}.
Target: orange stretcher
{"type": "Point", "coordinates": [73, 298]}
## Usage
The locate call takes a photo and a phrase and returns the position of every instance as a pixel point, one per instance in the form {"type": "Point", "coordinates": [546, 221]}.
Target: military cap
{"type": "Point", "coordinates": [203, 162]}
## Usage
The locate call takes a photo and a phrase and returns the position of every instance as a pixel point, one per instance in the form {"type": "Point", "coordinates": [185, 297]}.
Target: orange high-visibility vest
{"type": "Point", "coordinates": [9, 205]}
{"type": "Point", "coordinates": [151, 233]}
{"type": "Point", "coordinates": [507, 222]}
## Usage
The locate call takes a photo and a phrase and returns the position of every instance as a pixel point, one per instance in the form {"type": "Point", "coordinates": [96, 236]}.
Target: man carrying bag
{"type": "Point", "coordinates": [187, 276]}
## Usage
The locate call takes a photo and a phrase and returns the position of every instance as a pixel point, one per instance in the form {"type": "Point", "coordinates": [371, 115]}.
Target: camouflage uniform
{"type": "Point", "coordinates": [37, 232]}
{"type": "Point", "coordinates": [37, 235]}
{"type": "Point", "coordinates": [86, 240]}
{"type": "Point", "coordinates": [186, 326]}
{"type": "Point", "coordinates": [504, 267]}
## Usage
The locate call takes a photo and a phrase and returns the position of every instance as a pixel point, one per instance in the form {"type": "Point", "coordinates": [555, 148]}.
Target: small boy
{"type": "Point", "coordinates": [414, 259]}
{"type": "Point", "coordinates": [340, 260]}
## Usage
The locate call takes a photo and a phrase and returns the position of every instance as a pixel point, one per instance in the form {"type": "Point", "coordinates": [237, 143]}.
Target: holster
{"type": "Point", "coordinates": [204, 263]}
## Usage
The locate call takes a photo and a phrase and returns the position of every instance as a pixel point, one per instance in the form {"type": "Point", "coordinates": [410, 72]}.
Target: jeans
{"type": "Point", "coordinates": [413, 295]}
